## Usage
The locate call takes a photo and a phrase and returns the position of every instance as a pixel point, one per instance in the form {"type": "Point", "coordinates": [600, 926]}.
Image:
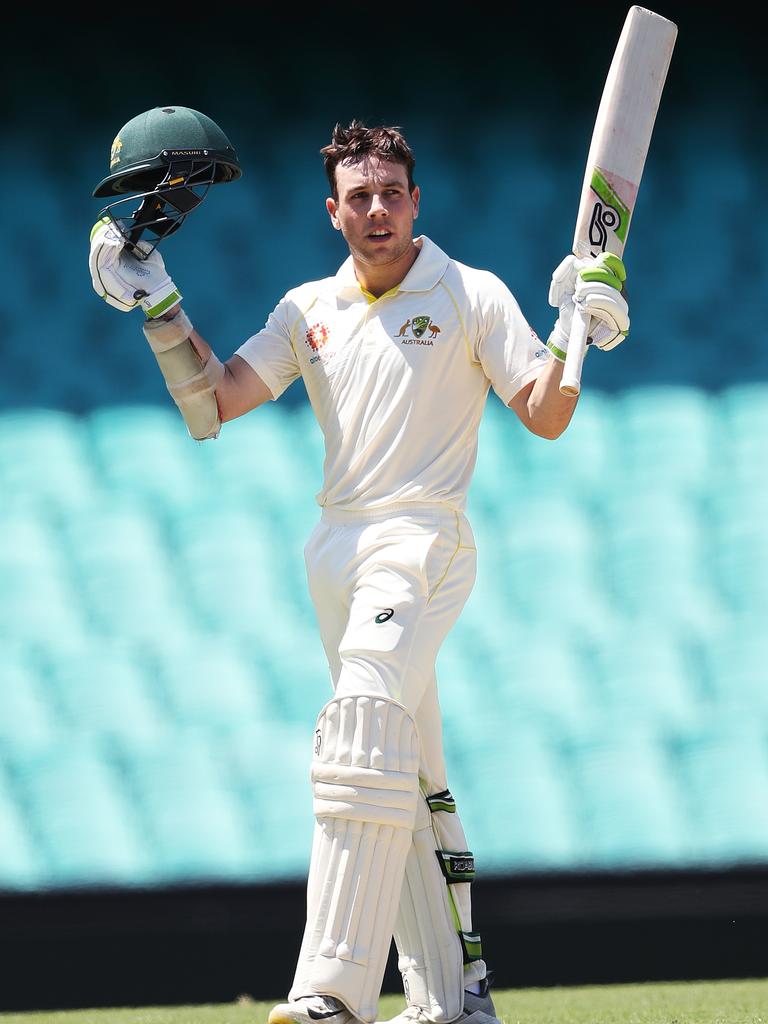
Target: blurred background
{"type": "Point", "coordinates": [604, 692]}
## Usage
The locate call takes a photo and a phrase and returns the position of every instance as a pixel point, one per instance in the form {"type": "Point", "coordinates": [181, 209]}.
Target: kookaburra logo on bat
{"type": "Point", "coordinates": [604, 218]}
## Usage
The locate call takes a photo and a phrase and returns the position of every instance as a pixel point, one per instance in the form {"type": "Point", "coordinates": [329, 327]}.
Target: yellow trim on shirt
{"type": "Point", "coordinates": [372, 298]}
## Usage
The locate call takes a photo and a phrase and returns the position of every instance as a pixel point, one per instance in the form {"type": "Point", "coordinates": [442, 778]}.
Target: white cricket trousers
{"type": "Point", "coordinates": [387, 586]}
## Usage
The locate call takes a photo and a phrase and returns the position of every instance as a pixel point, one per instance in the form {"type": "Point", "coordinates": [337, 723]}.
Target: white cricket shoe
{"type": "Point", "coordinates": [478, 1009]}
{"type": "Point", "coordinates": [310, 1010]}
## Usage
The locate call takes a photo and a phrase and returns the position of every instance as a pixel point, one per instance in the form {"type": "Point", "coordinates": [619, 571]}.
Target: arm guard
{"type": "Point", "coordinates": [191, 384]}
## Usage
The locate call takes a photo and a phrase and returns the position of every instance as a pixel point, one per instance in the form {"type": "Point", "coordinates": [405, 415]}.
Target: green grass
{"type": "Point", "coordinates": [712, 1002]}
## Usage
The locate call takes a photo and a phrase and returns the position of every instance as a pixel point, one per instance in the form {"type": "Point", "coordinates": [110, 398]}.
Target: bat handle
{"type": "Point", "coordinates": [570, 383]}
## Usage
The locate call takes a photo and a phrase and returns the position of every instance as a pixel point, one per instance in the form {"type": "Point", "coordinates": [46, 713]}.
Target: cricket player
{"type": "Point", "coordinates": [398, 351]}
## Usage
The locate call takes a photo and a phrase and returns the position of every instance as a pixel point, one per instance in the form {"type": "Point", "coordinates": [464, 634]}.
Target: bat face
{"type": "Point", "coordinates": [617, 155]}
{"type": "Point", "coordinates": [622, 133]}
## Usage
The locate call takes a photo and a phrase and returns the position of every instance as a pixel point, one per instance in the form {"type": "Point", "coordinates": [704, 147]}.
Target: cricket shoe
{"type": "Point", "coordinates": [478, 1009]}
{"type": "Point", "coordinates": [310, 1010]}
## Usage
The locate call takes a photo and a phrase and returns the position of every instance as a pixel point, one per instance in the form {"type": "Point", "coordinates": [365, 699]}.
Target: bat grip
{"type": "Point", "coordinates": [570, 383]}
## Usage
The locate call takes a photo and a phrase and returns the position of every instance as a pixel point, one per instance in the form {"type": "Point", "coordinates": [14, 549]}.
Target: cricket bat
{"type": "Point", "coordinates": [617, 154]}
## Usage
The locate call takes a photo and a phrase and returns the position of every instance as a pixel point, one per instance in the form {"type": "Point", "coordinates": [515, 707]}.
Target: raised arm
{"type": "Point", "coordinates": [206, 391]}
{"type": "Point", "coordinates": [595, 286]}
{"type": "Point", "coordinates": [540, 406]}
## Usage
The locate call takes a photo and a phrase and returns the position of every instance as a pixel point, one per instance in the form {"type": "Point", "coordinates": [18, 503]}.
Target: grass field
{"type": "Point", "coordinates": [716, 1002]}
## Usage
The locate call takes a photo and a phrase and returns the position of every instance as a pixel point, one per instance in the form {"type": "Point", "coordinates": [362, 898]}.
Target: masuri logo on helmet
{"type": "Point", "coordinates": [167, 158]}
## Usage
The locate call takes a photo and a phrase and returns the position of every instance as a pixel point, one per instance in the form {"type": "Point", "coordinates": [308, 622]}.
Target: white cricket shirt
{"type": "Point", "coordinates": [398, 384]}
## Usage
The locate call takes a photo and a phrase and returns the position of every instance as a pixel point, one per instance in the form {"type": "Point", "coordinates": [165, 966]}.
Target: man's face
{"type": "Point", "coordinates": [375, 211]}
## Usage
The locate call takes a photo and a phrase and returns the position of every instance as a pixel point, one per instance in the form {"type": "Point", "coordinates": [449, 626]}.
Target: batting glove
{"type": "Point", "coordinates": [124, 281]}
{"type": "Point", "coordinates": [595, 285]}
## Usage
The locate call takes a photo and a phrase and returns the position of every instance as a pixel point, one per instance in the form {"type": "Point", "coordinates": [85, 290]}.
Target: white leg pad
{"type": "Point", "coordinates": [430, 960]}
{"type": "Point", "coordinates": [366, 789]}
{"type": "Point", "coordinates": [438, 952]}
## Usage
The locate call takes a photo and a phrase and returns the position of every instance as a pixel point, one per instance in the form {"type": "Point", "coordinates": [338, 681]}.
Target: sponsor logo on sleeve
{"type": "Point", "coordinates": [317, 338]}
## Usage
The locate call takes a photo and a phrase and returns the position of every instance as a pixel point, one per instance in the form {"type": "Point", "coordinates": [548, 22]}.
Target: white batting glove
{"type": "Point", "coordinates": [124, 281]}
{"type": "Point", "coordinates": [594, 285]}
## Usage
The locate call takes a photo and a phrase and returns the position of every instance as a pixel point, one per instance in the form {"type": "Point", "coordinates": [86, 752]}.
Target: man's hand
{"type": "Point", "coordinates": [125, 282]}
{"type": "Point", "coordinates": [595, 285]}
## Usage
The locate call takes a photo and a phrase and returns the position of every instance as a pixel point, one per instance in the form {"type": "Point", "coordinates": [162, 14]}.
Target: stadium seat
{"type": "Point", "coordinates": [513, 800]}
{"type": "Point", "coordinates": [44, 460]}
{"type": "Point", "coordinates": [667, 435]}
{"type": "Point", "coordinates": [722, 766]}
{"type": "Point", "coordinates": [146, 451]}
{"type": "Point", "coordinates": [207, 682]}
{"type": "Point", "coordinates": [647, 674]}
{"type": "Point", "coordinates": [192, 817]}
{"type": "Point", "coordinates": [20, 864]}
{"type": "Point", "coordinates": [78, 811]}
{"type": "Point", "coordinates": [102, 687]}
{"type": "Point", "coordinates": [120, 560]}
{"type": "Point", "coordinates": [34, 575]}
{"type": "Point", "coordinates": [734, 661]}
{"type": "Point", "coordinates": [626, 801]}
{"type": "Point", "coordinates": [26, 713]}
{"type": "Point", "coordinates": [656, 559]}
{"type": "Point", "coordinates": [277, 803]}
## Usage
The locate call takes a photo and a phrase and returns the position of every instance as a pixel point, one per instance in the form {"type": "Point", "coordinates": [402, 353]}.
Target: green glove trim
{"type": "Point", "coordinates": [603, 276]}
{"type": "Point", "coordinates": [613, 263]}
{"type": "Point", "coordinates": [97, 225]}
{"type": "Point", "coordinates": [607, 270]}
{"type": "Point", "coordinates": [161, 307]}
{"type": "Point", "coordinates": [556, 352]}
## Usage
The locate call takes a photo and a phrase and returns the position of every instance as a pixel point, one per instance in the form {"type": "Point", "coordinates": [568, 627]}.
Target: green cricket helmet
{"type": "Point", "coordinates": [167, 158]}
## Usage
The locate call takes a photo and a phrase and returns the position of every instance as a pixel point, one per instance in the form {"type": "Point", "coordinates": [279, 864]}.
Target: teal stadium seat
{"type": "Point", "coordinates": [740, 548]}
{"type": "Point", "coordinates": [293, 670]}
{"type": "Point", "coordinates": [514, 805]}
{"type": "Point", "coordinates": [512, 462]}
{"type": "Point", "coordinates": [206, 682]}
{"type": "Point", "coordinates": [743, 448]}
{"type": "Point", "coordinates": [26, 713]}
{"type": "Point", "coordinates": [735, 657]}
{"type": "Point", "coordinates": [191, 813]}
{"type": "Point", "coordinates": [256, 460]}
{"type": "Point", "coordinates": [20, 864]}
{"type": "Point", "coordinates": [120, 559]}
{"type": "Point", "coordinates": [548, 554]}
{"type": "Point", "coordinates": [656, 559]}
{"type": "Point", "coordinates": [44, 460]}
{"type": "Point", "coordinates": [37, 598]}
{"type": "Point", "coordinates": [647, 674]}
{"type": "Point", "coordinates": [668, 435]}
{"type": "Point", "coordinates": [271, 764]}
{"type": "Point", "coordinates": [723, 768]}
{"type": "Point", "coordinates": [103, 687]}
{"type": "Point", "coordinates": [626, 800]}
{"type": "Point", "coordinates": [146, 451]}
{"type": "Point", "coordinates": [79, 813]}
{"type": "Point", "coordinates": [233, 568]}
{"type": "Point", "coordinates": [529, 680]}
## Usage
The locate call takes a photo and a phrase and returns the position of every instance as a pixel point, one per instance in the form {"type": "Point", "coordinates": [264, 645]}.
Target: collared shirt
{"type": "Point", "coordinates": [398, 383]}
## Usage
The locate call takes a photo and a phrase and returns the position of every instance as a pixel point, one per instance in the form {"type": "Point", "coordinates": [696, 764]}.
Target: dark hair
{"type": "Point", "coordinates": [358, 142]}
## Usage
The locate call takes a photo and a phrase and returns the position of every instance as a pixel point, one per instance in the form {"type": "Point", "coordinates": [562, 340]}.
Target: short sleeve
{"type": "Point", "coordinates": [508, 348]}
{"type": "Point", "coordinates": [270, 352]}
